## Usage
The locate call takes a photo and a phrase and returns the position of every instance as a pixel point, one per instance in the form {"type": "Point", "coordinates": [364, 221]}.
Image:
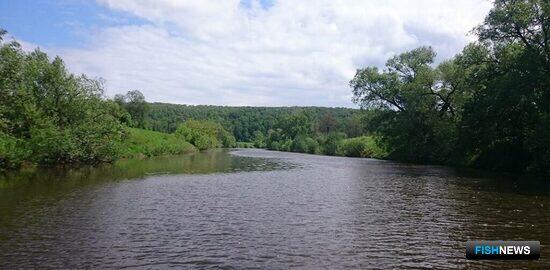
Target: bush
{"type": "Point", "coordinates": [205, 134]}
{"type": "Point", "coordinates": [304, 145]}
{"type": "Point", "coordinates": [259, 139]}
{"type": "Point", "coordinates": [298, 145]}
{"type": "Point", "coordinates": [140, 142]}
{"type": "Point", "coordinates": [312, 146]}
{"type": "Point", "coordinates": [286, 145]}
{"type": "Point", "coordinates": [330, 143]}
{"type": "Point", "coordinates": [227, 139]}
{"type": "Point", "coordinates": [11, 152]}
{"type": "Point", "coordinates": [364, 146]}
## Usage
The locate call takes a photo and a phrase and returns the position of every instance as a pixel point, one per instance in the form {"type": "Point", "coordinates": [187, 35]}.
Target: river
{"type": "Point", "coordinates": [263, 209]}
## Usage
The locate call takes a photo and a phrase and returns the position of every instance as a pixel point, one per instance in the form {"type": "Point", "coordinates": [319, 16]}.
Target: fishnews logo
{"type": "Point", "coordinates": [503, 250]}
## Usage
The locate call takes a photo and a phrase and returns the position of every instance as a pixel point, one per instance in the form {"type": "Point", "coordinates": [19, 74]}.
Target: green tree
{"type": "Point", "coordinates": [48, 115]}
{"type": "Point", "coordinates": [523, 21]}
{"type": "Point", "coordinates": [328, 123]}
{"type": "Point", "coordinates": [205, 134]}
{"type": "Point", "coordinates": [505, 123]}
{"type": "Point", "coordinates": [259, 139]}
{"type": "Point", "coordinates": [416, 104]}
{"type": "Point", "coordinates": [136, 106]}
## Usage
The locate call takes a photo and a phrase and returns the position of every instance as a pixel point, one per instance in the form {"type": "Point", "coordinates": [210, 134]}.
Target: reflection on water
{"type": "Point", "coordinates": [211, 161]}
{"type": "Point", "coordinates": [256, 208]}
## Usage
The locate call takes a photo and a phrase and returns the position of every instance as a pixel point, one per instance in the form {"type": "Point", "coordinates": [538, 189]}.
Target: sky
{"type": "Point", "coordinates": [238, 52]}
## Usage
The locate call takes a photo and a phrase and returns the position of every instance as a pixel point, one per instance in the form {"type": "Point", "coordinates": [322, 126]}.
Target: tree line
{"type": "Point", "coordinates": [487, 107]}
{"type": "Point", "coordinates": [315, 130]}
{"type": "Point", "coordinates": [246, 122]}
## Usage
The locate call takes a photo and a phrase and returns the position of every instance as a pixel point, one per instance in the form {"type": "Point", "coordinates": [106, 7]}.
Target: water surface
{"type": "Point", "coordinates": [264, 209]}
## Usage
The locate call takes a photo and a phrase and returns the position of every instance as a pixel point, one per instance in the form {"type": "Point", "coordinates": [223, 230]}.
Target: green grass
{"type": "Point", "coordinates": [146, 143]}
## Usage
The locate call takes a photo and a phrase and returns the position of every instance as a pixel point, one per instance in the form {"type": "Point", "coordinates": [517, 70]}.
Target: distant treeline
{"type": "Point", "coordinates": [245, 122]}
{"type": "Point", "coordinates": [315, 130]}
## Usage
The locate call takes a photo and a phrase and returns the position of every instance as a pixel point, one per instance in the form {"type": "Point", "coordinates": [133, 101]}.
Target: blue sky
{"type": "Point", "coordinates": [67, 23]}
{"type": "Point", "coordinates": [237, 52]}
{"type": "Point", "coordinates": [62, 23]}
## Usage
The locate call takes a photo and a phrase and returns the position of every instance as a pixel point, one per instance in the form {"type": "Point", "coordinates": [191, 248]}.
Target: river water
{"type": "Point", "coordinates": [262, 209]}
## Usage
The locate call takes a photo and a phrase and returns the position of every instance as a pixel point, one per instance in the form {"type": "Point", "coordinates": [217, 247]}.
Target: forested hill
{"type": "Point", "coordinates": [244, 121]}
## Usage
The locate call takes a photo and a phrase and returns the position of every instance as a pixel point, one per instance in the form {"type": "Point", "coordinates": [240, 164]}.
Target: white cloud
{"type": "Point", "coordinates": [293, 53]}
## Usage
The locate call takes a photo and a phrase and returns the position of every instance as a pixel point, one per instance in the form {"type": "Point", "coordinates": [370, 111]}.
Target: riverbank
{"type": "Point", "coordinates": [133, 143]}
{"type": "Point", "coordinates": [146, 143]}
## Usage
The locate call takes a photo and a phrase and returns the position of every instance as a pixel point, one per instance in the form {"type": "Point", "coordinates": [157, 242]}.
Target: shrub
{"type": "Point", "coordinates": [205, 134]}
{"type": "Point", "coordinates": [312, 146]}
{"type": "Point", "coordinates": [364, 146]}
{"type": "Point", "coordinates": [140, 142]}
{"type": "Point", "coordinates": [11, 152]}
{"type": "Point", "coordinates": [330, 143]}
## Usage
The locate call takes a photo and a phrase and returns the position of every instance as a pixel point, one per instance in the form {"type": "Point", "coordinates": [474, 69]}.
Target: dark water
{"type": "Point", "coordinates": [261, 209]}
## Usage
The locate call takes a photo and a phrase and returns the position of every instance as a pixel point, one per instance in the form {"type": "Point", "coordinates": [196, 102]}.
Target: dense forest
{"type": "Point", "coordinates": [244, 122]}
{"type": "Point", "coordinates": [487, 107]}
{"type": "Point", "coordinates": [316, 130]}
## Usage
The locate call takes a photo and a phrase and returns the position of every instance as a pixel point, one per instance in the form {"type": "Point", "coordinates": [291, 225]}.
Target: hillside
{"type": "Point", "coordinates": [244, 121]}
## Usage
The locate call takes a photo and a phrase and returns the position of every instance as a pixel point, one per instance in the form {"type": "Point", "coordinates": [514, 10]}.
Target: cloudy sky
{"type": "Point", "coordinates": [237, 52]}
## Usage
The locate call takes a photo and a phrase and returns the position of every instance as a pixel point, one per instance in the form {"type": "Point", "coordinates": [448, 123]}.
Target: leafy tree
{"type": "Point", "coordinates": [505, 123]}
{"type": "Point", "coordinates": [134, 103]}
{"type": "Point", "coordinates": [297, 124]}
{"type": "Point", "coordinates": [523, 21]}
{"type": "Point", "coordinates": [226, 138]}
{"type": "Point", "coordinates": [48, 115]}
{"type": "Point", "coordinates": [205, 134]}
{"type": "Point", "coordinates": [416, 104]}
{"type": "Point", "coordinates": [259, 139]}
{"type": "Point", "coordinates": [328, 123]}
{"type": "Point", "coordinates": [487, 107]}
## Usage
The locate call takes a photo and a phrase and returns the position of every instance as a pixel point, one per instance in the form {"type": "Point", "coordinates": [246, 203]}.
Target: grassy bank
{"type": "Point", "coordinates": [147, 143]}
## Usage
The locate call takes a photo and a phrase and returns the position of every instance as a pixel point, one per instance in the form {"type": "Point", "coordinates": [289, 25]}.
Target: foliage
{"type": "Point", "coordinates": [225, 138]}
{"type": "Point", "coordinates": [11, 153]}
{"type": "Point", "coordinates": [364, 146]}
{"type": "Point", "coordinates": [329, 143]}
{"type": "Point", "coordinates": [245, 122]}
{"type": "Point", "coordinates": [417, 105]}
{"type": "Point", "coordinates": [146, 143]}
{"type": "Point", "coordinates": [259, 139]}
{"type": "Point", "coordinates": [487, 107]}
{"type": "Point", "coordinates": [245, 145]}
{"type": "Point", "coordinates": [48, 115]}
{"type": "Point", "coordinates": [134, 103]}
{"type": "Point", "coordinates": [205, 134]}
